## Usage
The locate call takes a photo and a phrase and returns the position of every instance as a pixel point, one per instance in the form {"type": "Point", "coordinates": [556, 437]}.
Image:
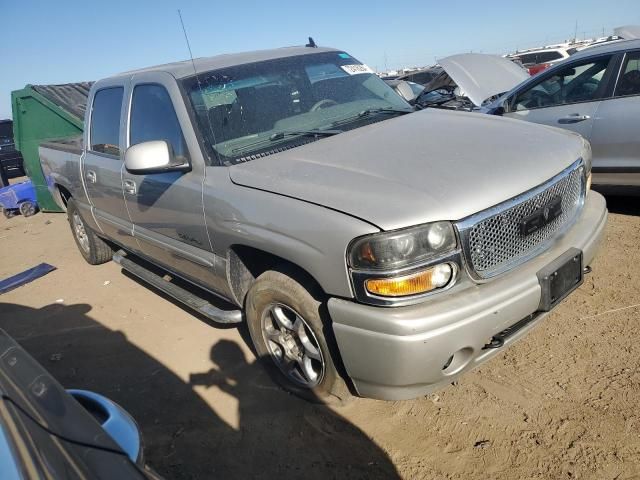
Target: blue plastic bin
{"type": "Point", "coordinates": [18, 198]}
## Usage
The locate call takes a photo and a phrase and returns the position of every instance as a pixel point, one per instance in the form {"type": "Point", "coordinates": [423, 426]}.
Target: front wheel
{"type": "Point", "coordinates": [292, 338]}
{"type": "Point", "coordinates": [93, 249]}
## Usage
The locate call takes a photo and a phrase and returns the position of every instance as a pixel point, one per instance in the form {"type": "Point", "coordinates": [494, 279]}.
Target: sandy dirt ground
{"type": "Point", "coordinates": [563, 403]}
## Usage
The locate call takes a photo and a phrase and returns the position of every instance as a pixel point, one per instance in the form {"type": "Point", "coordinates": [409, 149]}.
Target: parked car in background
{"type": "Point", "coordinates": [47, 432]}
{"type": "Point", "coordinates": [10, 158]}
{"type": "Point", "coordinates": [367, 246]}
{"type": "Point", "coordinates": [400, 86]}
{"type": "Point", "coordinates": [600, 41]}
{"type": "Point", "coordinates": [536, 60]}
{"type": "Point", "coordinates": [422, 76]}
{"type": "Point", "coordinates": [595, 93]}
{"type": "Point", "coordinates": [469, 80]}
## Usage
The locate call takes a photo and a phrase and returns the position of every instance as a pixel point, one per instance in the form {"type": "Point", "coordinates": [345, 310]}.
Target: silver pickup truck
{"type": "Point", "coordinates": [370, 248]}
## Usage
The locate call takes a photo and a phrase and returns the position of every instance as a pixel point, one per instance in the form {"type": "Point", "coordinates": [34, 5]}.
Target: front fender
{"type": "Point", "coordinates": [310, 236]}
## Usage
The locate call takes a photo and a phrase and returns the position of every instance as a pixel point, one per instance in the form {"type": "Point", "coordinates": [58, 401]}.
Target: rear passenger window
{"type": "Point", "coordinates": [548, 56]}
{"type": "Point", "coordinates": [629, 81]}
{"type": "Point", "coordinates": [105, 121]}
{"type": "Point", "coordinates": [154, 118]}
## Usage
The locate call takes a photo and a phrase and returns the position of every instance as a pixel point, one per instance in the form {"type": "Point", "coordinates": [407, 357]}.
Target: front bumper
{"type": "Point", "coordinates": [399, 353]}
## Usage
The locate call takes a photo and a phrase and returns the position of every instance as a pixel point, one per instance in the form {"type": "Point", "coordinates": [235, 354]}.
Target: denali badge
{"type": "Point", "coordinates": [542, 216]}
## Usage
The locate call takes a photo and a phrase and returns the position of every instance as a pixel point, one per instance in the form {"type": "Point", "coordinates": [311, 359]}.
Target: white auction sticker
{"type": "Point", "coordinates": [356, 69]}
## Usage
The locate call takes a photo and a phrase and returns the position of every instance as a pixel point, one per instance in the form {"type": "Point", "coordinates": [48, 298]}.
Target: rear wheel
{"type": "Point", "coordinates": [293, 338]}
{"type": "Point", "coordinates": [93, 249]}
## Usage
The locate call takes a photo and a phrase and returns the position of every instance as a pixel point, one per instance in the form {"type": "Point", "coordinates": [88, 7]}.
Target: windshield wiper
{"type": "Point", "coordinates": [287, 133]}
{"type": "Point", "coordinates": [307, 133]}
{"type": "Point", "coordinates": [370, 111]}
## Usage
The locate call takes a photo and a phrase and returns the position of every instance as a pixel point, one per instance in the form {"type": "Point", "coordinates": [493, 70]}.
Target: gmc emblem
{"type": "Point", "coordinates": [542, 216]}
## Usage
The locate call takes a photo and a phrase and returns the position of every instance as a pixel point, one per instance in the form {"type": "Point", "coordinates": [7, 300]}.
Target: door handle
{"type": "Point", "coordinates": [573, 118]}
{"type": "Point", "coordinates": [91, 176]}
{"type": "Point", "coordinates": [130, 187]}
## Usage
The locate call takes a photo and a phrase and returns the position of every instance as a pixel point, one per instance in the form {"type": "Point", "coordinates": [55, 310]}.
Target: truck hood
{"type": "Point", "coordinates": [481, 76]}
{"type": "Point", "coordinates": [425, 166]}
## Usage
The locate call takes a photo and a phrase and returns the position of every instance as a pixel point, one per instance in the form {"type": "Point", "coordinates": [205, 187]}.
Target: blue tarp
{"type": "Point", "coordinates": [25, 277]}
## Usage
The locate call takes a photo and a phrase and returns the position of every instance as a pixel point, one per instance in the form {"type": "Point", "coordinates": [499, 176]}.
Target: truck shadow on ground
{"type": "Point", "coordinates": [276, 434]}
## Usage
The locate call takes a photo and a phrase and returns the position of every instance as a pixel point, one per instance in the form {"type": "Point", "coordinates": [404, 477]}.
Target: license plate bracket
{"type": "Point", "coordinates": [560, 278]}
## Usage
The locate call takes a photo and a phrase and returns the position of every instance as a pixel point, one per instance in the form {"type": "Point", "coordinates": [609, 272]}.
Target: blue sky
{"type": "Point", "coordinates": [70, 41]}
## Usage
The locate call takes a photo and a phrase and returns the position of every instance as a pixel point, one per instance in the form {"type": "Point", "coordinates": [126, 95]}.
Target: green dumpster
{"type": "Point", "coordinates": [46, 112]}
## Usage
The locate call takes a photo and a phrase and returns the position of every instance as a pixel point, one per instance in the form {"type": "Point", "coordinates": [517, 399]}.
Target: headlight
{"type": "Point", "coordinates": [394, 250]}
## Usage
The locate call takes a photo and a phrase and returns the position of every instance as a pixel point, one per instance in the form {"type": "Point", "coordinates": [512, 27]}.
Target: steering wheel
{"type": "Point", "coordinates": [537, 99]}
{"type": "Point", "coordinates": [325, 102]}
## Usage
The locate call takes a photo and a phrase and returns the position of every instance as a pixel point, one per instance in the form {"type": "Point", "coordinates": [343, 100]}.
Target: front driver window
{"type": "Point", "coordinates": [580, 82]}
{"type": "Point", "coordinates": [629, 81]}
{"type": "Point", "coordinates": [154, 118]}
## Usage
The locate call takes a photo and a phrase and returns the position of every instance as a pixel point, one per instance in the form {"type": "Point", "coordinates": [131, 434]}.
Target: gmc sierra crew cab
{"type": "Point", "coordinates": [370, 248]}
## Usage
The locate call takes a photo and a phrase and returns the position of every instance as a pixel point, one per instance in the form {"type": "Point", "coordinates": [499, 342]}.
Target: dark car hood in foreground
{"type": "Point", "coordinates": [59, 436]}
{"type": "Point", "coordinates": [421, 167]}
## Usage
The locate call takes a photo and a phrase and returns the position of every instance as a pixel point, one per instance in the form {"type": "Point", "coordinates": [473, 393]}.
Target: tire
{"type": "Point", "coordinates": [27, 209]}
{"type": "Point", "coordinates": [276, 299]}
{"type": "Point", "coordinates": [93, 249]}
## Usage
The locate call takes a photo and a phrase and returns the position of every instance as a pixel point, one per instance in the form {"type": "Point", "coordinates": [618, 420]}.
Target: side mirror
{"type": "Point", "coordinates": [498, 111]}
{"type": "Point", "coordinates": [155, 156]}
{"type": "Point", "coordinates": [406, 92]}
{"type": "Point", "coordinates": [500, 106]}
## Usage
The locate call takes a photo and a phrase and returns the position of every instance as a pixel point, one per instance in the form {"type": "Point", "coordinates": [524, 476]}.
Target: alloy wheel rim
{"type": "Point", "coordinates": [80, 232]}
{"type": "Point", "coordinates": [292, 345]}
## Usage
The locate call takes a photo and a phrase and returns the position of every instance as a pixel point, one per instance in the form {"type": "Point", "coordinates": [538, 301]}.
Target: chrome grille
{"type": "Point", "coordinates": [492, 239]}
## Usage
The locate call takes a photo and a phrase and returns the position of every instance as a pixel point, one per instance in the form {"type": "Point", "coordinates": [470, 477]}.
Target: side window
{"type": "Point", "coordinates": [528, 58]}
{"type": "Point", "coordinates": [154, 118]}
{"type": "Point", "coordinates": [629, 81]}
{"type": "Point", "coordinates": [544, 57]}
{"type": "Point", "coordinates": [105, 121]}
{"type": "Point", "coordinates": [580, 82]}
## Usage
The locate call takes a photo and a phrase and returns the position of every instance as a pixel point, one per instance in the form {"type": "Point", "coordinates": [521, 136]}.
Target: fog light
{"type": "Point", "coordinates": [413, 284]}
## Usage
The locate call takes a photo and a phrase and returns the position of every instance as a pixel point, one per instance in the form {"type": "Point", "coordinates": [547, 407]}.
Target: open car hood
{"type": "Point", "coordinates": [481, 76]}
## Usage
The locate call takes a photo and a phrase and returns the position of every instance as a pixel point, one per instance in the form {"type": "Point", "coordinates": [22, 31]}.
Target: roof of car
{"type": "Point", "coordinates": [185, 68]}
{"type": "Point", "coordinates": [538, 50]}
{"type": "Point", "coordinates": [608, 47]}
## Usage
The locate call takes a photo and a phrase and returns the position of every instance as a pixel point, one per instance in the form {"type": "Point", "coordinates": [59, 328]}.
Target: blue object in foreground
{"type": "Point", "coordinates": [115, 420]}
{"type": "Point", "coordinates": [20, 196]}
{"type": "Point", "coordinates": [25, 277]}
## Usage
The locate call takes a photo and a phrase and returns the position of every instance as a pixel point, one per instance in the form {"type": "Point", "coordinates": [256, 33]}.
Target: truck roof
{"type": "Point", "coordinates": [203, 64]}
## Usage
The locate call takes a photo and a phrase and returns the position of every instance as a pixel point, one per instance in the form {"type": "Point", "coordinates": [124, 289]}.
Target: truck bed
{"type": "Point", "coordinates": [60, 160]}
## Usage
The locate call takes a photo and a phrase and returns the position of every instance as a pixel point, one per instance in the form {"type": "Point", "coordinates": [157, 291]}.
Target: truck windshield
{"type": "Point", "coordinates": [263, 107]}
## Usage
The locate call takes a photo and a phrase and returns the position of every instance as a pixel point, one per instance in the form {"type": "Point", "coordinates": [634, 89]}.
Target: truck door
{"type": "Point", "coordinates": [166, 208]}
{"type": "Point", "coordinates": [103, 162]}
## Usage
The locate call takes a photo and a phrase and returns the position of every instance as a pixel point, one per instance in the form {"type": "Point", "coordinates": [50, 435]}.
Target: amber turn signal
{"type": "Point", "coordinates": [413, 284]}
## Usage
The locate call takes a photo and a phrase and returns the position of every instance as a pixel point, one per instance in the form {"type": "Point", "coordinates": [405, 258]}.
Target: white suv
{"type": "Point", "coordinates": [537, 60]}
